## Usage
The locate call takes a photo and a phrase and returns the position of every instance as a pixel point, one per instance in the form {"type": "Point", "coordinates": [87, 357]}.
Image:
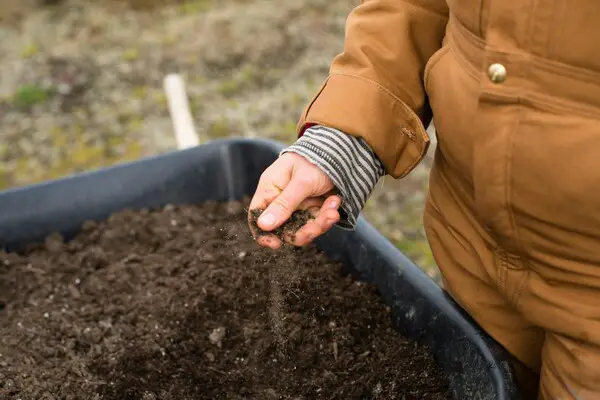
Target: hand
{"type": "Point", "coordinates": [293, 183]}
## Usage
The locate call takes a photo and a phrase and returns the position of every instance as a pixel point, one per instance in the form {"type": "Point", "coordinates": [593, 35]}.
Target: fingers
{"type": "Point", "coordinates": [269, 187]}
{"type": "Point", "coordinates": [289, 184]}
{"type": "Point", "coordinates": [312, 205]}
{"type": "Point", "coordinates": [269, 241]}
{"type": "Point", "coordinates": [327, 216]}
{"type": "Point", "coordinates": [271, 184]}
{"type": "Point", "coordinates": [283, 205]}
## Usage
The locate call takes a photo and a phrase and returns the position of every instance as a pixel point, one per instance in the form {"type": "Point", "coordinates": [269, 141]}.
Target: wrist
{"type": "Point", "coordinates": [349, 163]}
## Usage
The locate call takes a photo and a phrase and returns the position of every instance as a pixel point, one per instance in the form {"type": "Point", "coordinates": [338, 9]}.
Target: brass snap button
{"type": "Point", "coordinates": [497, 73]}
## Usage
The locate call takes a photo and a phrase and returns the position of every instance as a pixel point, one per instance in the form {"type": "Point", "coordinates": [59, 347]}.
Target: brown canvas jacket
{"type": "Point", "coordinates": [545, 51]}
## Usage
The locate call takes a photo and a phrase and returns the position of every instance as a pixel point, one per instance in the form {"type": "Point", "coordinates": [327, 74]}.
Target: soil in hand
{"type": "Point", "coordinates": [177, 304]}
{"type": "Point", "coordinates": [288, 229]}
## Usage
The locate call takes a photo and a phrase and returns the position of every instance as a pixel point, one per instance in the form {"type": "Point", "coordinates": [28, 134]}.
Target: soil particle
{"type": "Point", "coordinates": [159, 305]}
{"type": "Point", "coordinates": [287, 230]}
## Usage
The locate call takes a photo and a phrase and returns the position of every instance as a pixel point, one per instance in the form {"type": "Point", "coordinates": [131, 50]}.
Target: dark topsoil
{"type": "Point", "coordinates": [181, 304]}
{"type": "Point", "coordinates": [286, 231]}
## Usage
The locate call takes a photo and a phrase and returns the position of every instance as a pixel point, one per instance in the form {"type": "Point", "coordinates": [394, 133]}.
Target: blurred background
{"type": "Point", "coordinates": [81, 86]}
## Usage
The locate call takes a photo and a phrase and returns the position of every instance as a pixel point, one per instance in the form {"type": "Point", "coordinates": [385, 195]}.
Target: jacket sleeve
{"type": "Point", "coordinates": [375, 90]}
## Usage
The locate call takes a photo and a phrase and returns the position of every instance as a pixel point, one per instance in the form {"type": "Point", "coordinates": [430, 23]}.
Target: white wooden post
{"type": "Point", "coordinates": [183, 123]}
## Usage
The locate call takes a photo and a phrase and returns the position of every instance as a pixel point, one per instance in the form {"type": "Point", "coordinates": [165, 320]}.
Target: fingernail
{"type": "Point", "coordinates": [334, 204]}
{"type": "Point", "coordinates": [267, 219]}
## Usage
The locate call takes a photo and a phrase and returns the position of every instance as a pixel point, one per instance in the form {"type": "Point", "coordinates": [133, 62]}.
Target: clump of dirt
{"type": "Point", "coordinates": [176, 304]}
{"type": "Point", "coordinates": [288, 229]}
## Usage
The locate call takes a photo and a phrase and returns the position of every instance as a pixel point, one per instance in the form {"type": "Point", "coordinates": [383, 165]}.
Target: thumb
{"type": "Point", "coordinates": [282, 207]}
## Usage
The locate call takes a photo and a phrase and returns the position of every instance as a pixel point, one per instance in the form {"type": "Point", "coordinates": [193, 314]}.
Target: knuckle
{"type": "Point", "coordinates": [283, 203]}
{"type": "Point", "coordinates": [270, 190]}
{"type": "Point", "coordinates": [270, 193]}
{"type": "Point", "coordinates": [265, 176]}
{"type": "Point", "coordinates": [307, 179]}
{"type": "Point", "coordinates": [324, 180]}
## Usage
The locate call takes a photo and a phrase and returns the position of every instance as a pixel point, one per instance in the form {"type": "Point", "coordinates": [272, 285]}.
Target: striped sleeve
{"type": "Point", "coordinates": [349, 162]}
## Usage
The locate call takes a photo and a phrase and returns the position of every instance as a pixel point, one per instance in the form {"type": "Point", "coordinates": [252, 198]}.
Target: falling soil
{"type": "Point", "coordinates": [179, 304]}
{"type": "Point", "coordinates": [287, 230]}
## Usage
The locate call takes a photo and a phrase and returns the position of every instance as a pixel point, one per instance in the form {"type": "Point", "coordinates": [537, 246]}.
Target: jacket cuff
{"type": "Point", "coordinates": [362, 108]}
{"type": "Point", "coordinates": [348, 161]}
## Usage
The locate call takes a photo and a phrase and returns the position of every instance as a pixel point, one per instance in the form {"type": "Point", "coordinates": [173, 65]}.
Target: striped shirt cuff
{"type": "Point", "coordinates": [348, 161]}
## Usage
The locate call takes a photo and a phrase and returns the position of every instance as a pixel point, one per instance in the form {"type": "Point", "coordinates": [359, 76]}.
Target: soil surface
{"type": "Point", "coordinates": [180, 303]}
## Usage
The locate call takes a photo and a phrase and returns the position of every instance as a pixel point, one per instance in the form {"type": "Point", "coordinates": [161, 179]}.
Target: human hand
{"type": "Point", "coordinates": [293, 183]}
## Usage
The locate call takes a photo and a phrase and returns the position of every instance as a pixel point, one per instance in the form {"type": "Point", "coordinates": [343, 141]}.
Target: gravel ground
{"type": "Point", "coordinates": [81, 86]}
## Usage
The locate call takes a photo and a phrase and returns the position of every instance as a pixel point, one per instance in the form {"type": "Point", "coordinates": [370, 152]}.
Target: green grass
{"type": "Point", "coordinates": [30, 95]}
{"type": "Point", "coordinates": [30, 50]}
{"type": "Point", "coordinates": [195, 6]}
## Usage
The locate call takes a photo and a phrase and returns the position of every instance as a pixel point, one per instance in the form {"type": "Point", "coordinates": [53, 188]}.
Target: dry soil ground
{"type": "Point", "coordinates": [81, 85]}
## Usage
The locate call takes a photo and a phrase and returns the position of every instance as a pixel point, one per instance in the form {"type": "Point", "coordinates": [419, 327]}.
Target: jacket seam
{"type": "Point", "coordinates": [509, 181]}
{"type": "Point", "coordinates": [388, 92]}
{"type": "Point", "coordinates": [426, 9]}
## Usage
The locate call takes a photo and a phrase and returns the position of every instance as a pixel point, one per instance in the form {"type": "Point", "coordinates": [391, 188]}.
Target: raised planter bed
{"type": "Point", "coordinates": [166, 297]}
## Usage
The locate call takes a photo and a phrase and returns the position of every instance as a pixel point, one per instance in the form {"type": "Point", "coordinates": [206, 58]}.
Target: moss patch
{"type": "Point", "coordinates": [30, 50]}
{"type": "Point", "coordinates": [195, 6]}
{"type": "Point", "coordinates": [30, 95]}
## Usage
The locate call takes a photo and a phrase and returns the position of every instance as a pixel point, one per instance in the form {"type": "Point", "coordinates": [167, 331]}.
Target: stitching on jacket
{"type": "Point", "coordinates": [388, 92]}
{"type": "Point", "coordinates": [432, 62]}
{"type": "Point", "coordinates": [508, 180]}
{"type": "Point", "coordinates": [443, 15]}
{"type": "Point", "coordinates": [422, 145]}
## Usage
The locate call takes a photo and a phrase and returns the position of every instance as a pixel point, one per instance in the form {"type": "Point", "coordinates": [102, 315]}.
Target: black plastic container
{"type": "Point", "coordinates": [476, 365]}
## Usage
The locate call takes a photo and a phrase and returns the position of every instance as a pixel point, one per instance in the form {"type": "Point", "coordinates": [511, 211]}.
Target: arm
{"type": "Point", "coordinates": [374, 96]}
{"type": "Point", "coordinates": [375, 87]}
